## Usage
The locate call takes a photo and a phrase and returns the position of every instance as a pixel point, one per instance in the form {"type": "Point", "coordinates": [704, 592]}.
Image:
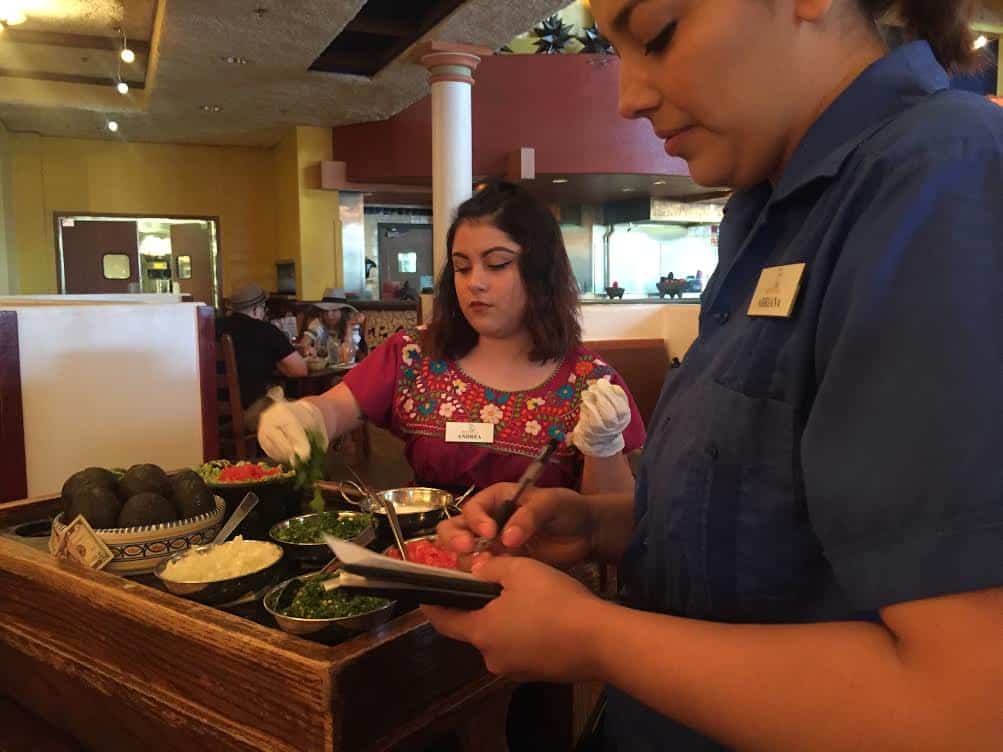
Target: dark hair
{"type": "Point", "coordinates": [551, 315]}
{"type": "Point", "coordinates": [942, 23]}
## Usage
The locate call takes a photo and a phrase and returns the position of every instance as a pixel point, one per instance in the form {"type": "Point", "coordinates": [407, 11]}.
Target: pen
{"type": "Point", "coordinates": [504, 513]}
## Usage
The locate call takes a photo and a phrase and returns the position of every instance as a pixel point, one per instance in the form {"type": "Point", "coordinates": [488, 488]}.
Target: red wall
{"type": "Point", "coordinates": [564, 106]}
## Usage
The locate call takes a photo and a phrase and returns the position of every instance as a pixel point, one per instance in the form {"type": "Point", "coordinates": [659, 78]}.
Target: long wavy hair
{"type": "Point", "coordinates": [551, 315]}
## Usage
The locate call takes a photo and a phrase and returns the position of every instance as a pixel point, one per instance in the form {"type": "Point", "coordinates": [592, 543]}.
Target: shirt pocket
{"type": "Point", "coordinates": [760, 553]}
{"type": "Point", "coordinates": [755, 360]}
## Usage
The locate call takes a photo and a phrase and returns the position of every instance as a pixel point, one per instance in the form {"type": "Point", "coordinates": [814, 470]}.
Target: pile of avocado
{"type": "Point", "coordinates": [142, 495]}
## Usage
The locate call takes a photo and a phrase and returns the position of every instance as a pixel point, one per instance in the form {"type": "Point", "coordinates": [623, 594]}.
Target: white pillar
{"type": "Point", "coordinates": [450, 68]}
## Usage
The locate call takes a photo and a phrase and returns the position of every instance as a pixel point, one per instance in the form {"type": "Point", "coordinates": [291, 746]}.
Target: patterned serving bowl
{"type": "Point", "coordinates": [139, 550]}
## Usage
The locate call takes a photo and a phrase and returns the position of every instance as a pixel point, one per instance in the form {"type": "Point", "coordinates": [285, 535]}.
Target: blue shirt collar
{"type": "Point", "coordinates": [886, 88]}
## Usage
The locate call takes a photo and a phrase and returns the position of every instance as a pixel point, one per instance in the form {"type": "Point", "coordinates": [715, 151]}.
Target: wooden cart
{"type": "Point", "coordinates": [120, 665]}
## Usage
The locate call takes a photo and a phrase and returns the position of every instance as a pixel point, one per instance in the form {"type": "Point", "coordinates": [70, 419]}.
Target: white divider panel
{"type": "Point", "coordinates": [108, 385]}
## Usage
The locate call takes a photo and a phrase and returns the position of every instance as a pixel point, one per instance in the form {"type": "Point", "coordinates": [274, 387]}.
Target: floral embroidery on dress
{"type": "Point", "coordinates": [431, 392]}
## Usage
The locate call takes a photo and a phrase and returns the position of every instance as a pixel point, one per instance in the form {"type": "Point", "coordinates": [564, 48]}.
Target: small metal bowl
{"type": "Point", "coordinates": [318, 553]}
{"type": "Point", "coordinates": [325, 630]}
{"type": "Point", "coordinates": [433, 501]}
{"type": "Point", "coordinates": [217, 592]}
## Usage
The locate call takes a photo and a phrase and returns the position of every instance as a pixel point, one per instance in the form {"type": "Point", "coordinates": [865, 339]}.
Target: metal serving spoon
{"type": "Point", "coordinates": [388, 507]}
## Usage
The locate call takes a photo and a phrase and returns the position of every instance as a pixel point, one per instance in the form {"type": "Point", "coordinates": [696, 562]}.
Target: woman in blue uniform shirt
{"type": "Point", "coordinates": [814, 554]}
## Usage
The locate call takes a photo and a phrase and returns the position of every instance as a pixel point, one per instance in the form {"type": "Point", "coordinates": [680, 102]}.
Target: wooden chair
{"type": "Point", "coordinates": [235, 440]}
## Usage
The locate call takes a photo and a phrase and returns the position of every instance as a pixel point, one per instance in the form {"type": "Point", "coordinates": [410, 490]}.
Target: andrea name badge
{"type": "Point", "coordinates": [470, 433]}
{"type": "Point", "coordinates": [777, 291]}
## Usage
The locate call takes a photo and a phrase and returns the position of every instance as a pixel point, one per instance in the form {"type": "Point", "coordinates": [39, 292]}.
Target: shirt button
{"type": "Point", "coordinates": [712, 451]}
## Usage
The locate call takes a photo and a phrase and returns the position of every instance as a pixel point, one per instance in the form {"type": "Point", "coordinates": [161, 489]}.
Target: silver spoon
{"type": "Point", "coordinates": [457, 503]}
{"type": "Point", "coordinates": [389, 508]}
{"type": "Point", "coordinates": [243, 509]}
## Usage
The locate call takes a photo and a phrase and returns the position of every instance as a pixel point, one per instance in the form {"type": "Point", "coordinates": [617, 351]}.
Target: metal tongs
{"type": "Point", "coordinates": [388, 507]}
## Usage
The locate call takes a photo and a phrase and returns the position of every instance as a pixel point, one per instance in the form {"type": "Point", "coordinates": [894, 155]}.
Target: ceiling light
{"type": "Point", "coordinates": [628, 189]}
{"type": "Point", "coordinates": [980, 41]}
{"type": "Point", "coordinates": [558, 181]}
{"type": "Point", "coordinates": [210, 108]}
{"type": "Point", "coordinates": [235, 60]}
{"type": "Point", "coordinates": [11, 14]}
{"type": "Point", "coordinates": [113, 126]}
{"type": "Point", "coordinates": [127, 55]}
{"type": "Point", "coordinates": [123, 87]}
{"type": "Point", "coordinates": [659, 182]}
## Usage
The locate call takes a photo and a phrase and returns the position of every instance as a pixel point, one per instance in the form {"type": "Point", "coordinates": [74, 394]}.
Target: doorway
{"type": "Point", "coordinates": [405, 252]}
{"type": "Point", "coordinates": [130, 254]}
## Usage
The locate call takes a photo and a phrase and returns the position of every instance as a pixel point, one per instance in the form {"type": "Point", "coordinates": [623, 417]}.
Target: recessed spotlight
{"type": "Point", "coordinates": [122, 87]}
{"type": "Point", "coordinates": [558, 181]}
{"type": "Point", "coordinates": [210, 108]}
{"type": "Point", "coordinates": [980, 41]}
{"type": "Point", "coordinates": [127, 55]}
{"type": "Point", "coordinates": [628, 189]}
{"type": "Point", "coordinates": [113, 126]}
{"type": "Point", "coordinates": [659, 182]}
{"type": "Point", "coordinates": [235, 60]}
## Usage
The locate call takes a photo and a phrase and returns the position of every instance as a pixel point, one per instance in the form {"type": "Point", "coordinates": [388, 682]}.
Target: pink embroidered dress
{"type": "Point", "coordinates": [400, 388]}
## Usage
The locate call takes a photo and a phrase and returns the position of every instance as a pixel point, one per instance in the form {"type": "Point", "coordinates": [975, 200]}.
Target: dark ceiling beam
{"type": "Point", "coordinates": [67, 78]}
{"type": "Point", "coordinates": [77, 41]}
{"type": "Point", "coordinates": [379, 26]}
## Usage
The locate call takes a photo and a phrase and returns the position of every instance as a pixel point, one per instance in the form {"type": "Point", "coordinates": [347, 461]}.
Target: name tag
{"type": "Point", "coordinates": [777, 291]}
{"type": "Point", "coordinates": [470, 433]}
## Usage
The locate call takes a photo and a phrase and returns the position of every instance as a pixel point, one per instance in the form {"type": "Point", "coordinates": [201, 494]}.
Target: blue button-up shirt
{"type": "Point", "coordinates": [821, 466]}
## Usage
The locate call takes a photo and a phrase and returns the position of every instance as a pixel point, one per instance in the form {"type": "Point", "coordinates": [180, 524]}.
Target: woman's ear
{"type": "Point", "coordinates": [812, 10]}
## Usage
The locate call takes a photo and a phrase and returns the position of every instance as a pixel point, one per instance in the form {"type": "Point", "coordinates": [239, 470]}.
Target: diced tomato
{"type": "Point", "coordinates": [426, 552]}
{"type": "Point", "coordinates": [242, 473]}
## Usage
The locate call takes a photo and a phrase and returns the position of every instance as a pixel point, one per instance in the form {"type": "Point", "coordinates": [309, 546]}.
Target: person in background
{"type": "Point", "coordinates": [260, 349]}
{"type": "Point", "coordinates": [813, 556]}
{"type": "Point", "coordinates": [503, 352]}
{"type": "Point", "coordinates": [333, 330]}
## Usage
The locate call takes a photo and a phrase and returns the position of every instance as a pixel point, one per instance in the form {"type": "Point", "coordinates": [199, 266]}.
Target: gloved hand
{"type": "Point", "coordinates": [603, 415]}
{"type": "Point", "coordinates": [283, 427]}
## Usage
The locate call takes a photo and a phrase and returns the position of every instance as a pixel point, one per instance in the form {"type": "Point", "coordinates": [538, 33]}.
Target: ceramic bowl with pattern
{"type": "Point", "coordinates": [139, 550]}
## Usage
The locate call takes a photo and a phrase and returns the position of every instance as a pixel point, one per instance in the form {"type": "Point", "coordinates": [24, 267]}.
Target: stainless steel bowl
{"type": "Point", "coordinates": [221, 591]}
{"type": "Point", "coordinates": [325, 630]}
{"type": "Point", "coordinates": [432, 501]}
{"type": "Point", "coordinates": [318, 553]}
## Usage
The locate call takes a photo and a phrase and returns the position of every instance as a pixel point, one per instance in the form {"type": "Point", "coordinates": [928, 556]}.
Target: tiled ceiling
{"type": "Point", "coordinates": [57, 70]}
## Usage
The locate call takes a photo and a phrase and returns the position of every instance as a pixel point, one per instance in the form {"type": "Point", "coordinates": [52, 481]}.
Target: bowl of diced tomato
{"type": "Point", "coordinates": [274, 486]}
{"type": "Point", "coordinates": [427, 551]}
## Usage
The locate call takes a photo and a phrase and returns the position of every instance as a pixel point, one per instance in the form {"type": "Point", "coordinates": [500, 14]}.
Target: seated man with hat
{"type": "Point", "coordinates": [260, 349]}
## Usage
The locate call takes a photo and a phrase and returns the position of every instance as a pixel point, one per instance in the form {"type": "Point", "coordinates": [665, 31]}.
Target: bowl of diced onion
{"type": "Point", "coordinates": [222, 573]}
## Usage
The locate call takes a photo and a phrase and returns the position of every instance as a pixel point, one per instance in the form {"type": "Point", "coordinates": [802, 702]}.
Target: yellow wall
{"type": "Point", "coordinates": [308, 227]}
{"type": "Point", "coordinates": [237, 185]}
{"type": "Point", "coordinates": [6, 269]}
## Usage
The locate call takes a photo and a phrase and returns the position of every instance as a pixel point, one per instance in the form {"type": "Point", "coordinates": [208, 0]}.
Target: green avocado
{"type": "Point", "coordinates": [146, 509]}
{"type": "Point", "coordinates": [97, 475]}
{"type": "Point", "coordinates": [191, 495]}
{"type": "Point", "coordinates": [143, 479]}
{"type": "Point", "coordinates": [98, 504]}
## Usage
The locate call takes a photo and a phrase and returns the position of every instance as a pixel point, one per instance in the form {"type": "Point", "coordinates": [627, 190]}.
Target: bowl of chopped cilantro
{"type": "Point", "coordinates": [308, 610]}
{"type": "Point", "coordinates": [275, 486]}
{"type": "Point", "coordinates": [302, 537]}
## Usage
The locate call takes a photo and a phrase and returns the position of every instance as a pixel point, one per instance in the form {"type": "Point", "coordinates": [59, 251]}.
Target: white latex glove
{"type": "Point", "coordinates": [282, 430]}
{"type": "Point", "coordinates": [603, 416]}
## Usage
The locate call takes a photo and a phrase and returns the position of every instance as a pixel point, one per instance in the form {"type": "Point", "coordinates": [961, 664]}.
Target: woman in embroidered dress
{"type": "Point", "coordinates": [503, 352]}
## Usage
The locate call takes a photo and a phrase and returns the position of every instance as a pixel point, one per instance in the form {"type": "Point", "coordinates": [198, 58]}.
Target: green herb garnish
{"type": "Point", "coordinates": [312, 601]}
{"type": "Point", "coordinates": [340, 525]}
{"type": "Point", "coordinates": [312, 470]}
